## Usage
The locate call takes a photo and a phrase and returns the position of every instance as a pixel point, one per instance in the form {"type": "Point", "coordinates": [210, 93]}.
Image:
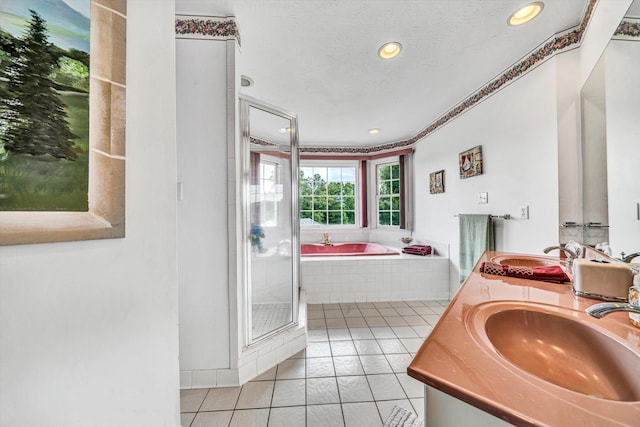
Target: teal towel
{"type": "Point", "coordinates": [476, 236]}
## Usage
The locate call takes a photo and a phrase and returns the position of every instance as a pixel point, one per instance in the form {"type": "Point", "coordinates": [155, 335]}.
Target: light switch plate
{"type": "Point", "coordinates": [483, 197]}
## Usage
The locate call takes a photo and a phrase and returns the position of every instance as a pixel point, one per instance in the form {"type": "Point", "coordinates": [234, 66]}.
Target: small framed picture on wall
{"type": "Point", "coordinates": [471, 162]}
{"type": "Point", "coordinates": [436, 182]}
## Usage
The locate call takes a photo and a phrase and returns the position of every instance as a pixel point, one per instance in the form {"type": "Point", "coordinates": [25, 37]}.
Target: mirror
{"type": "Point", "coordinates": [611, 144]}
{"type": "Point", "coordinates": [271, 218]}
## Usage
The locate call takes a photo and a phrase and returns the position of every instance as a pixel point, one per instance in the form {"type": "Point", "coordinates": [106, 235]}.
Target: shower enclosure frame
{"type": "Point", "coordinates": [245, 105]}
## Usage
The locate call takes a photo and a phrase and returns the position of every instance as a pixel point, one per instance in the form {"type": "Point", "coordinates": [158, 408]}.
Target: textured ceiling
{"type": "Point", "coordinates": [318, 58]}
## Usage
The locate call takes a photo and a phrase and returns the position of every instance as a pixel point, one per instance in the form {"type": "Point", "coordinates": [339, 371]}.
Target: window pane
{"type": "Point", "coordinates": [320, 217]}
{"type": "Point", "coordinates": [395, 218]}
{"type": "Point", "coordinates": [320, 174]}
{"type": "Point", "coordinates": [306, 188]}
{"type": "Point", "coordinates": [395, 203]}
{"type": "Point", "coordinates": [384, 204]}
{"type": "Point", "coordinates": [334, 188]}
{"type": "Point", "coordinates": [384, 172]}
{"type": "Point", "coordinates": [349, 217]}
{"type": "Point", "coordinates": [395, 171]}
{"type": "Point", "coordinates": [328, 195]}
{"type": "Point", "coordinates": [319, 203]}
{"type": "Point", "coordinates": [388, 186]}
{"type": "Point", "coordinates": [306, 173]}
{"type": "Point", "coordinates": [384, 188]}
{"type": "Point", "coordinates": [349, 174]}
{"type": "Point", "coordinates": [334, 203]}
{"type": "Point", "coordinates": [335, 218]}
{"type": "Point", "coordinates": [305, 214]}
{"type": "Point", "coordinates": [349, 188]}
{"type": "Point", "coordinates": [349, 203]}
{"type": "Point", "coordinates": [335, 174]}
{"type": "Point", "coordinates": [319, 188]}
{"type": "Point", "coordinates": [384, 218]}
{"type": "Point", "coordinates": [269, 171]}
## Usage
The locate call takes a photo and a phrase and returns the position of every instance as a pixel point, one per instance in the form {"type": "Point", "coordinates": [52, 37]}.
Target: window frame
{"type": "Point", "coordinates": [275, 161]}
{"type": "Point", "coordinates": [105, 218]}
{"type": "Point", "coordinates": [357, 193]}
{"type": "Point", "coordinates": [374, 191]}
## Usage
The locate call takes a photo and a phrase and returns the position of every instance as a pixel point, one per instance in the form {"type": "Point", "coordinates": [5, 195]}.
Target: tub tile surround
{"type": "Point", "coordinates": [376, 278]}
{"type": "Point", "coordinates": [347, 376]}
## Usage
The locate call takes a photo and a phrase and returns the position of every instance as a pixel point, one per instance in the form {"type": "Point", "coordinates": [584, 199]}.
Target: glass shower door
{"type": "Point", "coordinates": [272, 285]}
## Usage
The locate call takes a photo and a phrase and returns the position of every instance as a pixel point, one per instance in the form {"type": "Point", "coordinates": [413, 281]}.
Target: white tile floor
{"type": "Point", "coordinates": [352, 373]}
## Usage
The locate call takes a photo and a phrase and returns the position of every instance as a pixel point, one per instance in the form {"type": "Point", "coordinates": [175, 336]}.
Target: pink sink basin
{"type": "Point", "coordinates": [564, 352]}
{"type": "Point", "coordinates": [525, 261]}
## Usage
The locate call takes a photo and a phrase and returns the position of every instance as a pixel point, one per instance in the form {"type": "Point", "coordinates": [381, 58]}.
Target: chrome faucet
{"type": "Point", "coordinates": [630, 257]}
{"type": "Point", "coordinates": [325, 239]}
{"type": "Point", "coordinates": [600, 310]}
{"type": "Point", "coordinates": [571, 255]}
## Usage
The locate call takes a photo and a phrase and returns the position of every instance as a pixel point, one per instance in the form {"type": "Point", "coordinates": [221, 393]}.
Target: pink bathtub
{"type": "Point", "coordinates": [345, 249]}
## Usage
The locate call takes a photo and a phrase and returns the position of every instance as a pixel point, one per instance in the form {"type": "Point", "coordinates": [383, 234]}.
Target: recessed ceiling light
{"type": "Point", "coordinates": [389, 50]}
{"type": "Point", "coordinates": [246, 81]}
{"type": "Point", "coordinates": [526, 13]}
{"type": "Point", "coordinates": [374, 131]}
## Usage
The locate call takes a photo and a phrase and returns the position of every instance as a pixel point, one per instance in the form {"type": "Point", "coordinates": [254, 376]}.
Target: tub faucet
{"type": "Point", "coordinates": [325, 239]}
{"type": "Point", "coordinates": [630, 257]}
{"type": "Point", "coordinates": [571, 255]}
{"type": "Point", "coordinates": [600, 310]}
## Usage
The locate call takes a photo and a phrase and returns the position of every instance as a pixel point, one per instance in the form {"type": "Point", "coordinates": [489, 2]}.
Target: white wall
{"type": "Point", "coordinates": [88, 330]}
{"type": "Point", "coordinates": [202, 212]}
{"type": "Point", "coordinates": [623, 148]}
{"type": "Point", "coordinates": [604, 21]}
{"type": "Point", "coordinates": [517, 128]}
{"type": "Point", "coordinates": [574, 68]}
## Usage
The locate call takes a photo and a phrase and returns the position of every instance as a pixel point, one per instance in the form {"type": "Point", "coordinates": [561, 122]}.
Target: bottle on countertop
{"type": "Point", "coordinates": [634, 299]}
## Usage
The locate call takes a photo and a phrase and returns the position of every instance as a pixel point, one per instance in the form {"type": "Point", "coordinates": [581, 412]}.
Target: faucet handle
{"type": "Point", "coordinates": [574, 247]}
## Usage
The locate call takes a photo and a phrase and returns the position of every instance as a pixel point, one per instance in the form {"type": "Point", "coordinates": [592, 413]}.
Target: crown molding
{"type": "Point", "coordinates": [561, 42]}
{"type": "Point", "coordinates": [629, 29]}
{"type": "Point", "coordinates": [207, 28]}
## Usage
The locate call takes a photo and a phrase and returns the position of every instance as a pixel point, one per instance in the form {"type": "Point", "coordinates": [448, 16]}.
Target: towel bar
{"type": "Point", "coordinates": [505, 216]}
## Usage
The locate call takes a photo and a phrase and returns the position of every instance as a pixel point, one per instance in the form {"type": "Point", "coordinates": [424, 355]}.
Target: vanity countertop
{"type": "Point", "coordinates": [454, 360]}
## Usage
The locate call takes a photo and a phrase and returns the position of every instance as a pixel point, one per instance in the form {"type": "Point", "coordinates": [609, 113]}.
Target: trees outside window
{"type": "Point", "coordinates": [388, 194]}
{"type": "Point", "coordinates": [328, 195]}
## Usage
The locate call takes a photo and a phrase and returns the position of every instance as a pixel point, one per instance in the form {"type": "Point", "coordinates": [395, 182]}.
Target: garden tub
{"type": "Point", "coordinates": [358, 272]}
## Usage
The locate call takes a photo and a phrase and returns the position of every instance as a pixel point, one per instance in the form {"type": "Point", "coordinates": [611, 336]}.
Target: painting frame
{"type": "Point", "coordinates": [471, 162]}
{"type": "Point", "coordinates": [105, 218]}
{"type": "Point", "coordinates": [436, 182]}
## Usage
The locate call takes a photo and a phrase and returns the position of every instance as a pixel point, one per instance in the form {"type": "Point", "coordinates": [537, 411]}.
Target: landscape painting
{"type": "Point", "coordinates": [44, 108]}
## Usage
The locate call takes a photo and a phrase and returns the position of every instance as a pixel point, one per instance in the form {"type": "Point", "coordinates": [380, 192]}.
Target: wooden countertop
{"type": "Point", "coordinates": [454, 361]}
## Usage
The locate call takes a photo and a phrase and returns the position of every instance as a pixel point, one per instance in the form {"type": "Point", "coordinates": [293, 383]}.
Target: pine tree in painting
{"type": "Point", "coordinates": [33, 117]}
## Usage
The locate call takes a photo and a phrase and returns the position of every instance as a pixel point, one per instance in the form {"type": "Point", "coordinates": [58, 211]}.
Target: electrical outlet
{"type": "Point", "coordinates": [524, 212]}
{"type": "Point", "coordinates": [483, 197]}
